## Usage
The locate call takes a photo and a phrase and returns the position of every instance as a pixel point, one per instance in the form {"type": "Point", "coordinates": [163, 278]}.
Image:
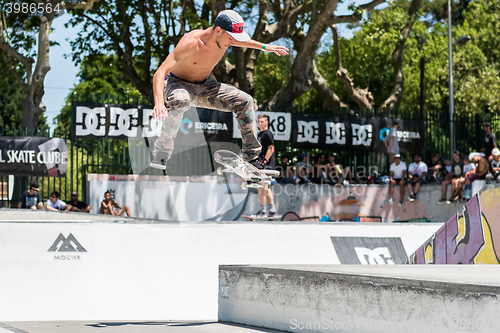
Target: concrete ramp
{"type": "Point", "coordinates": [138, 270]}
{"type": "Point", "coordinates": [361, 299]}
{"type": "Point", "coordinates": [471, 236]}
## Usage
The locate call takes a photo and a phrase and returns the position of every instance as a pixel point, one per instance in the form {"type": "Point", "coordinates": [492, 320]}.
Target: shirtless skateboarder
{"type": "Point", "coordinates": [184, 80]}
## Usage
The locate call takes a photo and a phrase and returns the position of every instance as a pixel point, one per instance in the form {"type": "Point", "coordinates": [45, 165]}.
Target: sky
{"type": "Point", "coordinates": [63, 73]}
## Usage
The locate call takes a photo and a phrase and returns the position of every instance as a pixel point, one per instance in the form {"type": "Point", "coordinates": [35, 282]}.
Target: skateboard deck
{"type": "Point", "coordinates": [253, 177]}
{"type": "Point", "coordinates": [253, 217]}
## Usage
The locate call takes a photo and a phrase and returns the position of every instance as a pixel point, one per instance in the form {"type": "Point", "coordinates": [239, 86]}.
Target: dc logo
{"type": "Point", "coordinates": [383, 133]}
{"type": "Point", "coordinates": [361, 135]}
{"type": "Point", "coordinates": [153, 126]}
{"type": "Point", "coordinates": [335, 133]}
{"type": "Point", "coordinates": [308, 131]}
{"type": "Point", "coordinates": [123, 122]}
{"type": "Point", "coordinates": [189, 124]}
{"type": "Point", "coordinates": [90, 121]}
{"type": "Point", "coordinates": [377, 256]}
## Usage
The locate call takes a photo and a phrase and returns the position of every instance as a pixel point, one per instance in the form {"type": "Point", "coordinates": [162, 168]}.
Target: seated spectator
{"type": "Point", "coordinates": [494, 174]}
{"type": "Point", "coordinates": [286, 171]}
{"type": "Point", "coordinates": [434, 168]}
{"type": "Point", "coordinates": [303, 169]}
{"type": "Point", "coordinates": [319, 170]}
{"type": "Point", "coordinates": [447, 166]}
{"type": "Point", "coordinates": [31, 198]}
{"type": "Point", "coordinates": [110, 207]}
{"type": "Point", "coordinates": [468, 166]}
{"type": "Point", "coordinates": [482, 168]}
{"type": "Point", "coordinates": [397, 176]}
{"type": "Point", "coordinates": [454, 178]}
{"type": "Point", "coordinates": [55, 204]}
{"type": "Point", "coordinates": [79, 206]}
{"type": "Point", "coordinates": [416, 176]}
{"type": "Point", "coordinates": [334, 170]}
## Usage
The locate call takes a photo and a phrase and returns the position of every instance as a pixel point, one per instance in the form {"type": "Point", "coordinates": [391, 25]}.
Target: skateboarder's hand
{"type": "Point", "coordinates": [277, 49]}
{"type": "Point", "coordinates": [160, 111]}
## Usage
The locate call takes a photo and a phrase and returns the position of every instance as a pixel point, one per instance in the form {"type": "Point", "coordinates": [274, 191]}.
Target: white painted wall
{"type": "Point", "coordinates": [155, 271]}
{"type": "Point", "coordinates": [166, 199]}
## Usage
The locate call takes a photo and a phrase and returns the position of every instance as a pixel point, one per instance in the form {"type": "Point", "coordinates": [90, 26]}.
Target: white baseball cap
{"type": "Point", "coordinates": [495, 152]}
{"type": "Point", "coordinates": [232, 22]}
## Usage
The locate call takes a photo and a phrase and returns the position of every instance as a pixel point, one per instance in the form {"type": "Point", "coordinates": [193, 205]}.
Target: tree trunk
{"type": "Point", "coordinates": [362, 97]}
{"type": "Point", "coordinates": [397, 60]}
{"type": "Point", "coordinates": [33, 85]}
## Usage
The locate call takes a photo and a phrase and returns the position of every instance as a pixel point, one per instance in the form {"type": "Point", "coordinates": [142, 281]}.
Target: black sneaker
{"type": "Point", "coordinates": [271, 214]}
{"type": "Point", "coordinates": [412, 198]}
{"type": "Point", "coordinates": [260, 214]}
{"type": "Point", "coordinates": [159, 161]}
{"type": "Point", "coordinates": [258, 163]}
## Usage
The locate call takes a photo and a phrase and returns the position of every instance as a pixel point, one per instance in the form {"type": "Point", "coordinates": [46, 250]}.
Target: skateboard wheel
{"type": "Point", "coordinates": [244, 185]}
{"type": "Point", "coordinates": [266, 186]}
{"type": "Point", "coordinates": [219, 171]}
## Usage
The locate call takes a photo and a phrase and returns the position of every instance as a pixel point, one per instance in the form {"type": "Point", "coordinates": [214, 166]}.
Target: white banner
{"type": "Point", "coordinates": [280, 124]}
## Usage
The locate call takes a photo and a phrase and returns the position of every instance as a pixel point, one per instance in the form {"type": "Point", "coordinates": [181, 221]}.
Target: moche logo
{"type": "Point", "coordinates": [69, 244]}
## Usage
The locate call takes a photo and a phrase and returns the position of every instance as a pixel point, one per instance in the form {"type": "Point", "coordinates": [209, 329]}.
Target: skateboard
{"type": "Point", "coordinates": [232, 163]}
{"type": "Point", "coordinates": [253, 217]}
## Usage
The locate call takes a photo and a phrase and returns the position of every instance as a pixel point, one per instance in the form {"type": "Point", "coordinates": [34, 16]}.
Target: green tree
{"type": "Point", "coordinates": [100, 75]}
{"type": "Point", "coordinates": [24, 36]}
{"type": "Point", "coordinates": [11, 95]}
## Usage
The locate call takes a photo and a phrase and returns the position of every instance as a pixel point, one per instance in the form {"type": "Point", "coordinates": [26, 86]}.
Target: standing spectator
{"type": "Point", "coordinates": [286, 171]}
{"type": "Point", "coordinates": [79, 206]}
{"type": "Point", "coordinates": [453, 178]}
{"type": "Point", "coordinates": [490, 139]}
{"type": "Point", "coordinates": [303, 169]}
{"type": "Point", "coordinates": [31, 198]}
{"type": "Point", "coordinates": [434, 167]}
{"type": "Point", "coordinates": [110, 207]}
{"type": "Point", "coordinates": [266, 155]}
{"type": "Point", "coordinates": [494, 167]}
{"type": "Point", "coordinates": [397, 176]}
{"type": "Point", "coordinates": [391, 141]}
{"type": "Point", "coordinates": [482, 167]}
{"type": "Point", "coordinates": [55, 204]}
{"type": "Point", "coordinates": [416, 176]}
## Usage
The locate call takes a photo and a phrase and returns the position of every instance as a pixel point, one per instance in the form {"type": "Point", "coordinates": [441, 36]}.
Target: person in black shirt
{"type": "Point", "coordinates": [491, 141]}
{"type": "Point", "coordinates": [267, 159]}
{"type": "Point", "coordinates": [79, 206]}
{"type": "Point", "coordinates": [286, 171]}
{"type": "Point", "coordinates": [31, 198]}
{"type": "Point", "coordinates": [453, 178]}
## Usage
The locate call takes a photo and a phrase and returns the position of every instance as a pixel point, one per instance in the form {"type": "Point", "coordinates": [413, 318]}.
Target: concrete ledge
{"type": "Point", "coordinates": [298, 298]}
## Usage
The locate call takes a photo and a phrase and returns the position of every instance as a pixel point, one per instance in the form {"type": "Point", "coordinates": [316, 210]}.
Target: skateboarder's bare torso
{"type": "Point", "coordinates": [201, 55]}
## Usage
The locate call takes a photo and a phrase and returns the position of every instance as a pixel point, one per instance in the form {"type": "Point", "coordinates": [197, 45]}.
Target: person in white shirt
{"type": "Point", "coordinates": [55, 204]}
{"type": "Point", "coordinates": [397, 175]}
{"type": "Point", "coordinates": [416, 176]}
{"type": "Point", "coordinates": [494, 173]}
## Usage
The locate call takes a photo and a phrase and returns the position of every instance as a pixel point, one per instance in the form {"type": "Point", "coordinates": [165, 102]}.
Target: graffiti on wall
{"type": "Point", "coordinates": [469, 237]}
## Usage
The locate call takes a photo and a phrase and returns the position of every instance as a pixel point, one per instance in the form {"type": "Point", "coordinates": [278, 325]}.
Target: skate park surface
{"type": "Point", "coordinates": [73, 272]}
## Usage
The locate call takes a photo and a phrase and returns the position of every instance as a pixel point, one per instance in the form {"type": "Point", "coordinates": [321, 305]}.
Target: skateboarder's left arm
{"type": "Point", "coordinates": [252, 44]}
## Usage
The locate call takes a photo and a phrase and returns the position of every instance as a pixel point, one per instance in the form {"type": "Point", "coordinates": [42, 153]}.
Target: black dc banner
{"type": "Point", "coordinates": [355, 133]}
{"type": "Point", "coordinates": [33, 156]}
{"type": "Point", "coordinates": [117, 121]}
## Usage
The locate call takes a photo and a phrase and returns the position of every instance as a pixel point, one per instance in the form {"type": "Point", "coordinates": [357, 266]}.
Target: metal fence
{"type": "Point", "coordinates": [111, 156]}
